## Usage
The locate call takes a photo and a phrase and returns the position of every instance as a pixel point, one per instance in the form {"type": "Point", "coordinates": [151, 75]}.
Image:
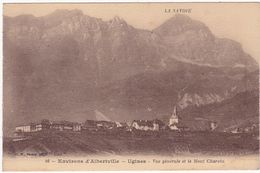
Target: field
{"type": "Point", "coordinates": [132, 143]}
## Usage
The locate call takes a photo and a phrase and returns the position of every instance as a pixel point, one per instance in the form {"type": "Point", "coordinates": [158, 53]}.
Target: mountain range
{"type": "Point", "coordinates": [67, 65]}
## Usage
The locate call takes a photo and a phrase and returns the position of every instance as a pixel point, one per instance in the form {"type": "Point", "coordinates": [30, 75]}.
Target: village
{"type": "Point", "coordinates": [174, 124]}
{"type": "Point", "coordinates": [102, 135]}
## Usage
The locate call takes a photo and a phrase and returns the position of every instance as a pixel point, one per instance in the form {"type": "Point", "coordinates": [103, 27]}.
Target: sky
{"type": "Point", "coordinates": [236, 21]}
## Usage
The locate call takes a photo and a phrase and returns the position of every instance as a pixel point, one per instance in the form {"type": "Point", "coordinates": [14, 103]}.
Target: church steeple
{"type": "Point", "coordinates": [174, 114]}
{"type": "Point", "coordinates": [174, 117]}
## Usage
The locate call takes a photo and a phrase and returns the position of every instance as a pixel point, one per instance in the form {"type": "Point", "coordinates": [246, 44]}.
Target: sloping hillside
{"type": "Point", "coordinates": [240, 110]}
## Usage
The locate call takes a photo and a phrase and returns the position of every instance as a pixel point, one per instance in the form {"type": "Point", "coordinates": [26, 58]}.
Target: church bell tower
{"type": "Point", "coordinates": [174, 118]}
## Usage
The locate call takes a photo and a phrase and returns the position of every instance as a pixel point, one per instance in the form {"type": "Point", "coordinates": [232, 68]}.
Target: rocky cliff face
{"type": "Point", "coordinates": [191, 41]}
{"type": "Point", "coordinates": [241, 110]}
{"type": "Point", "coordinates": [195, 99]}
{"type": "Point", "coordinates": [66, 64]}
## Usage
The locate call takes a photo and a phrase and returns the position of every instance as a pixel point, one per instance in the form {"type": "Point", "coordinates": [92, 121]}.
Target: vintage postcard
{"type": "Point", "coordinates": [131, 86]}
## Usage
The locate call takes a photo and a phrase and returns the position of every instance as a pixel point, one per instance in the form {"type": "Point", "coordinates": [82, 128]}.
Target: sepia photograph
{"type": "Point", "coordinates": [131, 86]}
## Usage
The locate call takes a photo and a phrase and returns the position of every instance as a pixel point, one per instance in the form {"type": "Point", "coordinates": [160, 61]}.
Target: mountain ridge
{"type": "Point", "coordinates": [179, 20]}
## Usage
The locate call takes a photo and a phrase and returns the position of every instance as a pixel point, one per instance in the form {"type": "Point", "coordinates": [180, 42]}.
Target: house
{"type": "Point", "coordinates": [213, 125]}
{"type": "Point", "coordinates": [23, 128]}
{"type": "Point", "coordinates": [174, 127]}
{"type": "Point", "coordinates": [43, 125]}
{"type": "Point", "coordinates": [118, 124]}
{"type": "Point", "coordinates": [57, 126]}
{"type": "Point", "coordinates": [34, 127]}
{"type": "Point", "coordinates": [142, 125]}
{"type": "Point", "coordinates": [106, 125]}
{"type": "Point", "coordinates": [179, 127]}
{"type": "Point", "coordinates": [159, 125]}
{"type": "Point", "coordinates": [65, 126]}
{"type": "Point", "coordinates": [237, 130]}
{"type": "Point", "coordinates": [234, 131]}
{"type": "Point", "coordinates": [76, 127]}
{"type": "Point", "coordinates": [125, 126]}
{"type": "Point", "coordinates": [46, 124]}
{"type": "Point", "coordinates": [90, 125]}
{"type": "Point", "coordinates": [251, 128]}
{"type": "Point", "coordinates": [153, 125]}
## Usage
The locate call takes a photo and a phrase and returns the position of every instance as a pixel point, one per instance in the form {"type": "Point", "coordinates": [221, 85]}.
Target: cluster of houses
{"type": "Point", "coordinates": [46, 124]}
{"type": "Point", "coordinates": [92, 125]}
{"type": "Point", "coordinates": [246, 129]}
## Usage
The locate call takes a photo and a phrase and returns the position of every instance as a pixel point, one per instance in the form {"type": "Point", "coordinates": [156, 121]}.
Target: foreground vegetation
{"type": "Point", "coordinates": [137, 142]}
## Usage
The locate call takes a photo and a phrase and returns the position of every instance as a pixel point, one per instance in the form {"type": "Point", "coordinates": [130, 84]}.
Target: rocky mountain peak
{"type": "Point", "coordinates": [181, 23]}
{"type": "Point", "coordinates": [191, 41]}
{"type": "Point", "coordinates": [117, 19]}
{"type": "Point", "coordinates": [117, 22]}
{"type": "Point", "coordinates": [60, 16]}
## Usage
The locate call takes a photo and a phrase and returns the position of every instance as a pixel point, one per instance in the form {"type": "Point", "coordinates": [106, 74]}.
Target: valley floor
{"type": "Point", "coordinates": [54, 143]}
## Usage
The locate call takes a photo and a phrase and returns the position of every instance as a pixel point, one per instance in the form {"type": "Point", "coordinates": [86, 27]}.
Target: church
{"type": "Point", "coordinates": [174, 120]}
